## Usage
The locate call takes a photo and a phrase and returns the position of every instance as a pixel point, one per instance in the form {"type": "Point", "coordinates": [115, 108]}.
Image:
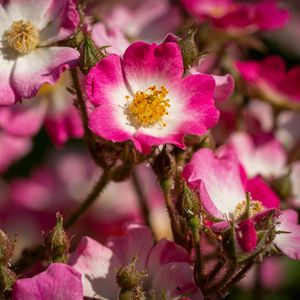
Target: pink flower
{"type": "Point", "coordinates": [28, 30]}
{"type": "Point", "coordinates": [222, 191]}
{"type": "Point", "coordinates": [271, 78]}
{"type": "Point", "coordinates": [267, 158]}
{"type": "Point", "coordinates": [232, 15]}
{"type": "Point", "coordinates": [288, 239]}
{"type": "Point", "coordinates": [148, 20]}
{"type": "Point", "coordinates": [167, 265]}
{"type": "Point", "coordinates": [143, 97]}
{"type": "Point", "coordinates": [58, 282]}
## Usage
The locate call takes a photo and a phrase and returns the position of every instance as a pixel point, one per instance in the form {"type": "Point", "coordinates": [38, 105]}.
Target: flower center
{"type": "Point", "coordinates": [148, 107]}
{"type": "Point", "coordinates": [255, 207]}
{"type": "Point", "coordinates": [22, 36]}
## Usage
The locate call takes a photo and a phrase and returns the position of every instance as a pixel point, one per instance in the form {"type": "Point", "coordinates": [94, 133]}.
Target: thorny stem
{"type": "Point", "coordinates": [141, 198]}
{"type": "Point", "coordinates": [92, 197]}
{"type": "Point", "coordinates": [81, 105]}
{"type": "Point", "coordinates": [198, 271]}
{"type": "Point", "coordinates": [166, 187]}
{"type": "Point", "coordinates": [218, 286]}
{"type": "Point", "coordinates": [215, 271]}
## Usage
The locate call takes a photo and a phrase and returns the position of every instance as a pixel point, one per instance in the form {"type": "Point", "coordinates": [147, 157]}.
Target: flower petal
{"type": "Point", "coordinates": [43, 65]}
{"type": "Point", "coordinates": [145, 65]}
{"type": "Point", "coordinates": [58, 282]}
{"type": "Point", "coordinates": [97, 264]}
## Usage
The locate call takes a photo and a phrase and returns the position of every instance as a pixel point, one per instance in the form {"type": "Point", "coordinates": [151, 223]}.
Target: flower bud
{"type": "Point", "coordinates": [188, 203]}
{"type": "Point", "coordinates": [90, 53]}
{"type": "Point", "coordinates": [129, 277]}
{"type": "Point", "coordinates": [57, 242]}
{"type": "Point", "coordinates": [7, 248]}
{"type": "Point", "coordinates": [189, 48]}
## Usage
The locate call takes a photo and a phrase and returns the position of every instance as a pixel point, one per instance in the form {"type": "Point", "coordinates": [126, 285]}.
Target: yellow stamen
{"type": "Point", "coordinates": [22, 36]}
{"type": "Point", "coordinates": [148, 107]}
{"type": "Point", "coordinates": [255, 207]}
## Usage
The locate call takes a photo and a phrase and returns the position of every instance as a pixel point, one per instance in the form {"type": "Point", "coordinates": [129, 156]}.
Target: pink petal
{"type": "Point", "coordinates": [219, 181]}
{"type": "Point", "coordinates": [165, 252]}
{"type": "Point", "coordinates": [259, 190]}
{"type": "Point", "coordinates": [269, 16]}
{"type": "Point", "coordinates": [266, 159]}
{"type": "Point", "coordinates": [289, 243]}
{"type": "Point", "coordinates": [61, 20]}
{"type": "Point", "coordinates": [111, 37]}
{"type": "Point", "coordinates": [43, 65]}
{"type": "Point", "coordinates": [246, 235]}
{"type": "Point", "coordinates": [11, 149]}
{"type": "Point", "coordinates": [144, 64]}
{"type": "Point", "coordinates": [58, 282]}
{"type": "Point", "coordinates": [175, 279]}
{"type": "Point", "coordinates": [97, 265]}
{"type": "Point", "coordinates": [136, 240]}
{"type": "Point", "coordinates": [23, 119]}
{"type": "Point", "coordinates": [224, 87]}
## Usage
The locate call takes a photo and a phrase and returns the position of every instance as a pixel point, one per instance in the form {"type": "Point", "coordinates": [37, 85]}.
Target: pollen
{"type": "Point", "coordinates": [255, 208]}
{"type": "Point", "coordinates": [148, 107]}
{"type": "Point", "coordinates": [22, 36]}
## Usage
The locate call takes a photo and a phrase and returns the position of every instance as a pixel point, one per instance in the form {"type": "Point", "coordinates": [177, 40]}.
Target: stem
{"type": "Point", "coordinates": [219, 286]}
{"type": "Point", "coordinates": [237, 277]}
{"type": "Point", "coordinates": [80, 100]}
{"type": "Point", "coordinates": [166, 187]}
{"type": "Point", "coordinates": [141, 198]}
{"type": "Point", "coordinates": [198, 271]}
{"type": "Point", "coordinates": [92, 197]}
{"type": "Point", "coordinates": [215, 270]}
{"type": "Point", "coordinates": [81, 105]}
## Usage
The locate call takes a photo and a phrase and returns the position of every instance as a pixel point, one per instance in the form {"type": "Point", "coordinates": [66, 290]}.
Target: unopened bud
{"type": "Point", "coordinates": [7, 248]}
{"type": "Point", "coordinates": [189, 48]}
{"type": "Point", "coordinates": [129, 277]}
{"type": "Point", "coordinates": [90, 53]}
{"type": "Point", "coordinates": [57, 242]}
{"type": "Point", "coordinates": [188, 203]}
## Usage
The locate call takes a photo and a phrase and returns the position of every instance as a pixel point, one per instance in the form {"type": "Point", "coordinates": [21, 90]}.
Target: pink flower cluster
{"type": "Point", "coordinates": [194, 139]}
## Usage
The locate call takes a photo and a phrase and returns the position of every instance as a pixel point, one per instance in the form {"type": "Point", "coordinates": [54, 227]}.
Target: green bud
{"type": "Point", "coordinates": [90, 53]}
{"type": "Point", "coordinates": [189, 47]}
{"type": "Point", "coordinates": [188, 203]}
{"type": "Point", "coordinates": [57, 242]}
{"type": "Point", "coordinates": [129, 277]}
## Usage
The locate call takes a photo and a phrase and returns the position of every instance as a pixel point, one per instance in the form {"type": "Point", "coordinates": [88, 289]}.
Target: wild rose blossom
{"type": "Point", "coordinates": [236, 16]}
{"type": "Point", "coordinates": [272, 80]}
{"type": "Point", "coordinates": [166, 264]}
{"type": "Point", "coordinates": [146, 98]}
{"type": "Point", "coordinates": [149, 20]}
{"type": "Point", "coordinates": [28, 58]}
{"type": "Point", "coordinates": [222, 191]}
